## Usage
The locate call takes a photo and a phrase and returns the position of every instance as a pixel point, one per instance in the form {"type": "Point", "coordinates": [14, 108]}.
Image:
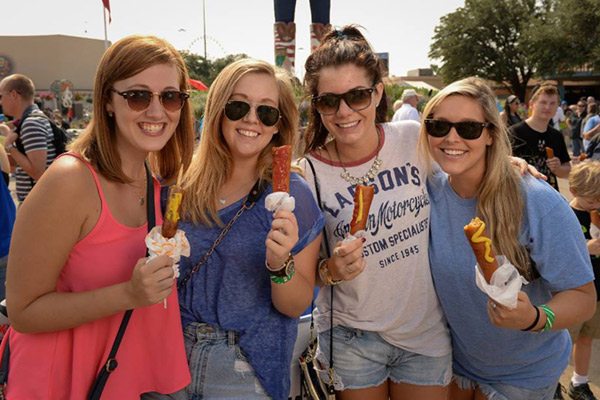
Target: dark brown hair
{"type": "Point", "coordinates": [339, 47]}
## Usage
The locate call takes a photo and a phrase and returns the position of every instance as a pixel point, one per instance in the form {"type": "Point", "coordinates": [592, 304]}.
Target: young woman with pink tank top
{"type": "Point", "coordinates": [77, 262]}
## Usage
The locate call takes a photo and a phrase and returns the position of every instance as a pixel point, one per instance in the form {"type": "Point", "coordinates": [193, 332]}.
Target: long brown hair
{"type": "Point", "coordinates": [125, 58]}
{"type": "Point", "coordinates": [500, 201]}
{"type": "Point", "coordinates": [212, 163]}
{"type": "Point", "coordinates": [339, 47]}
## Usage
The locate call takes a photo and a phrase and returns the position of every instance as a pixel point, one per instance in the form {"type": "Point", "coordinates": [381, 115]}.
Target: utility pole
{"type": "Point", "coordinates": [204, 24]}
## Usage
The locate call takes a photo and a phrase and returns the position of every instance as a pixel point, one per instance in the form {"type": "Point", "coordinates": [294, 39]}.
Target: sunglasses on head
{"type": "Point", "coordinates": [356, 99]}
{"type": "Point", "coordinates": [139, 100]}
{"type": "Point", "coordinates": [468, 130]}
{"type": "Point", "coordinates": [238, 109]}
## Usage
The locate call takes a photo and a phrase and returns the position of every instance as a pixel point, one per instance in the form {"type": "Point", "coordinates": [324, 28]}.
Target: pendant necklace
{"type": "Point", "coordinates": [366, 178]}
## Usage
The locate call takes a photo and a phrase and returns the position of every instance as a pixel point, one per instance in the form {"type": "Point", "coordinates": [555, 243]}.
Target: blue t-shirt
{"type": "Point", "coordinates": [481, 351]}
{"type": "Point", "coordinates": [7, 218]}
{"type": "Point", "coordinates": [233, 289]}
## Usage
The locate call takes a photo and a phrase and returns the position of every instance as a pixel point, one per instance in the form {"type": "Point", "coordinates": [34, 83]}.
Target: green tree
{"type": "Point", "coordinates": [497, 40]}
{"type": "Point", "coordinates": [206, 70]}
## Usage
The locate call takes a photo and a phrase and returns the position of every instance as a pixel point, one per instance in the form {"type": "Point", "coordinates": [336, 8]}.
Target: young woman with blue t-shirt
{"type": "Point", "coordinates": [500, 353]}
{"type": "Point", "coordinates": [240, 297]}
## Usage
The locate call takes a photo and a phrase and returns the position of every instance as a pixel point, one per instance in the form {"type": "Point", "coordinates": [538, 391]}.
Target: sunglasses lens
{"type": "Point", "coordinates": [437, 128]}
{"type": "Point", "coordinates": [173, 100]}
{"type": "Point", "coordinates": [138, 100]}
{"type": "Point", "coordinates": [235, 110]}
{"type": "Point", "coordinates": [268, 115]}
{"type": "Point", "coordinates": [469, 130]}
{"type": "Point", "coordinates": [358, 99]}
{"type": "Point", "coordinates": [327, 104]}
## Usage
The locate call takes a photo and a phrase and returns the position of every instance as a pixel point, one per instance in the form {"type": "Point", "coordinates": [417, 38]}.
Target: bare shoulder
{"type": "Point", "coordinates": [66, 186]}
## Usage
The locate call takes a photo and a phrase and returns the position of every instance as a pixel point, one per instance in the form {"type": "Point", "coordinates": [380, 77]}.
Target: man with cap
{"type": "Point", "coordinates": [408, 110]}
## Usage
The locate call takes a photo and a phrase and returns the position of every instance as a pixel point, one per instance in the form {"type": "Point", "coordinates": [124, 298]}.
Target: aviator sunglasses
{"type": "Point", "coordinates": [238, 109]}
{"type": "Point", "coordinates": [356, 99]}
{"type": "Point", "coordinates": [468, 130]}
{"type": "Point", "coordinates": [139, 100]}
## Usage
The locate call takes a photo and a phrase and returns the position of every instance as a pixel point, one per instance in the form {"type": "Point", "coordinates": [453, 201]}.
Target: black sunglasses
{"type": "Point", "coordinates": [356, 99]}
{"type": "Point", "coordinates": [468, 130]}
{"type": "Point", "coordinates": [238, 109]}
{"type": "Point", "coordinates": [139, 100]}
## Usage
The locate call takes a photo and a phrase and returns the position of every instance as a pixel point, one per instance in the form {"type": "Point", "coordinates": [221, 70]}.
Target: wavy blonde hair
{"type": "Point", "coordinates": [500, 201]}
{"type": "Point", "coordinates": [212, 162]}
{"type": "Point", "coordinates": [584, 179]}
{"type": "Point", "coordinates": [126, 58]}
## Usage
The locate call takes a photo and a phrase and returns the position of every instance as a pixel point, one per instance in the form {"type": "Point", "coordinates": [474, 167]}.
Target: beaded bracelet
{"type": "Point", "coordinates": [535, 322]}
{"type": "Point", "coordinates": [282, 279]}
{"type": "Point", "coordinates": [550, 317]}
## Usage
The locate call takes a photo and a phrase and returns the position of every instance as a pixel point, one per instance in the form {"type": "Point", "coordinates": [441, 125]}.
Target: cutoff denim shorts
{"type": "Point", "coordinates": [501, 391]}
{"type": "Point", "coordinates": [218, 367]}
{"type": "Point", "coordinates": [362, 359]}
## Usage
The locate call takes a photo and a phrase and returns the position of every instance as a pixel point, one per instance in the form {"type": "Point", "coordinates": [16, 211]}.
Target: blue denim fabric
{"type": "Point", "coordinates": [362, 359]}
{"type": "Point", "coordinates": [218, 367]}
{"type": "Point", "coordinates": [501, 391]}
{"type": "Point", "coordinates": [319, 10]}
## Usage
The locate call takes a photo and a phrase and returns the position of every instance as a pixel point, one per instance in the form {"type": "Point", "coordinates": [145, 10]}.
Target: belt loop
{"type": "Point", "coordinates": [231, 338]}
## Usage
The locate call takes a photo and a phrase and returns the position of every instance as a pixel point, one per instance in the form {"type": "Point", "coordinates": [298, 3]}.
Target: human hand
{"type": "Point", "coordinates": [553, 163]}
{"type": "Point", "coordinates": [593, 246]}
{"type": "Point", "coordinates": [151, 281]}
{"type": "Point", "coordinates": [347, 261]}
{"type": "Point", "coordinates": [524, 168]}
{"type": "Point", "coordinates": [520, 317]}
{"type": "Point", "coordinates": [281, 238]}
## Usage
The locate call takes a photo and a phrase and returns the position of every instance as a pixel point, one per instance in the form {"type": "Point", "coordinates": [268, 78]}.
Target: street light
{"type": "Point", "coordinates": [204, 25]}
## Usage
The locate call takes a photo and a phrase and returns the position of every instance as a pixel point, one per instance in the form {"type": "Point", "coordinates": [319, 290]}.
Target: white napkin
{"type": "Point", "coordinates": [280, 201]}
{"type": "Point", "coordinates": [174, 247]}
{"type": "Point", "coordinates": [505, 284]}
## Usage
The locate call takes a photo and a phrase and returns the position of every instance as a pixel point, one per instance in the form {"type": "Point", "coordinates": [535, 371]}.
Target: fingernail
{"type": "Point", "coordinates": [363, 239]}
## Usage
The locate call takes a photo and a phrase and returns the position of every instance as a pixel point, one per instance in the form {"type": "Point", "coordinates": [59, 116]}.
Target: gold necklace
{"type": "Point", "coordinates": [366, 178]}
{"type": "Point", "coordinates": [140, 192]}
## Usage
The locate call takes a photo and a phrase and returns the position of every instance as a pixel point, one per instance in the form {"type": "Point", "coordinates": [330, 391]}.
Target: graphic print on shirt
{"type": "Point", "coordinates": [396, 217]}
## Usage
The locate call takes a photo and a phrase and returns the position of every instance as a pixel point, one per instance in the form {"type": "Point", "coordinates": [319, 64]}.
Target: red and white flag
{"type": "Point", "coordinates": [107, 6]}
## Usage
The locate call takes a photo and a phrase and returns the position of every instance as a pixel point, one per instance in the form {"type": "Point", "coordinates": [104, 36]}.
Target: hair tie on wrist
{"type": "Point", "coordinates": [535, 322]}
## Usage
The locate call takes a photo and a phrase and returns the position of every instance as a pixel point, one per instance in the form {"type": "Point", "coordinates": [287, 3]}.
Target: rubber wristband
{"type": "Point", "coordinates": [550, 317]}
{"type": "Point", "coordinates": [535, 322]}
{"type": "Point", "coordinates": [282, 279]}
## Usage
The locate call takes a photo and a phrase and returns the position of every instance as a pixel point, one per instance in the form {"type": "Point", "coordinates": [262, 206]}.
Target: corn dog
{"type": "Point", "coordinates": [549, 153]}
{"type": "Point", "coordinates": [363, 196]}
{"type": "Point", "coordinates": [171, 219]}
{"type": "Point", "coordinates": [482, 247]}
{"type": "Point", "coordinates": [282, 161]}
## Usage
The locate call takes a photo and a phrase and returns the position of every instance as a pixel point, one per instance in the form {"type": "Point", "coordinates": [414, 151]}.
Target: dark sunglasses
{"type": "Point", "coordinates": [139, 100]}
{"type": "Point", "coordinates": [468, 130]}
{"type": "Point", "coordinates": [356, 99]}
{"type": "Point", "coordinates": [238, 109]}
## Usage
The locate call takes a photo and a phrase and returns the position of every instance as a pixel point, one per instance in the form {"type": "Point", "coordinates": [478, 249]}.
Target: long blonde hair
{"type": "Point", "coordinates": [125, 58]}
{"type": "Point", "coordinates": [212, 162]}
{"type": "Point", "coordinates": [500, 200]}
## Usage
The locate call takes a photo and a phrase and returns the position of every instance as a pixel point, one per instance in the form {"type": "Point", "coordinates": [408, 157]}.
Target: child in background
{"type": "Point", "coordinates": [584, 183]}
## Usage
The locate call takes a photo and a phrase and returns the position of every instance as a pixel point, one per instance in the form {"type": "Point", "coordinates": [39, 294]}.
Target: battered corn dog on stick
{"type": "Point", "coordinates": [363, 196]}
{"type": "Point", "coordinates": [482, 247]}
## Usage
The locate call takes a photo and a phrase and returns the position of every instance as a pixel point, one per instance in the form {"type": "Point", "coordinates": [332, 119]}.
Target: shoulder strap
{"type": "Point", "coordinates": [111, 363]}
{"type": "Point", "coordinates": [329, 386]}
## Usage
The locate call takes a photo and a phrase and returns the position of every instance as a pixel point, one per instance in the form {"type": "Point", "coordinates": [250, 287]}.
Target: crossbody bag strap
{"type": "Point", "coordinates": [249, 202]}
{"type": "Point", "coordinates": [111, 363]}
{"type": "Point", "coordinates": [328, 254]}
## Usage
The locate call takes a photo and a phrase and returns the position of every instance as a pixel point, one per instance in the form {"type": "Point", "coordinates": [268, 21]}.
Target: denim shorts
{"type": "Point", "coordinates": [219, 368]}
{"type": "Point", "coordinates": [362, 359]}
{"type": "Point", "coordinates": [502, 391]}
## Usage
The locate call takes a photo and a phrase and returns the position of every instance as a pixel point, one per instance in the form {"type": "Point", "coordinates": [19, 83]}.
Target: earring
{"type": "Point", "coordinates": [110, 114]}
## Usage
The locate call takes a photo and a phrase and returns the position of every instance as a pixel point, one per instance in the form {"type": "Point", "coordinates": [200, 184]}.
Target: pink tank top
{"type": "Point", "coordinates": [63, 365]}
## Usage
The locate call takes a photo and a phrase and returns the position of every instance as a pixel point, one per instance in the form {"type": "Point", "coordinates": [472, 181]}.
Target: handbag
{"type": "Point", "coordinates": [310, 380]}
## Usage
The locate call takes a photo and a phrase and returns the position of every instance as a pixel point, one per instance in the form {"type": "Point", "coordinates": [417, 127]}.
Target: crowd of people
{"type": "Point", "coordinates": [399, 314]}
